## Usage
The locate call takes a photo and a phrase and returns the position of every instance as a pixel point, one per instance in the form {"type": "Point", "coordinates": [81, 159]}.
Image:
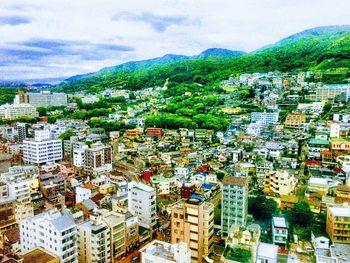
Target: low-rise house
{"type": "Point", "coordinates": [279, 230]}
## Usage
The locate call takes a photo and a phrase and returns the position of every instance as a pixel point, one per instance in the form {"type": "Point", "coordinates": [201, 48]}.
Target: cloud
{"type": "Point", "coordinates": [66, 37]}
{"type": "Point", "coordinates": [158, 23]}
{"type": "Point", "coordinates": [14, 20]}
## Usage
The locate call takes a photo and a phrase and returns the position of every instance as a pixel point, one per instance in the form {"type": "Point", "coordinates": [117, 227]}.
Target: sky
{"type": "Point", "coordinates": [58, 39]}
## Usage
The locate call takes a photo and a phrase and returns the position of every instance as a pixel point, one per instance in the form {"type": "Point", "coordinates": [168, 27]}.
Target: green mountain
{"type": "Point", "coordinates": [323, 49]}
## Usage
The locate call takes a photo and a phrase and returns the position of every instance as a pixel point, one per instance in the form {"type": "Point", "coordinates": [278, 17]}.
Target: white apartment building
{"type": "Point", "coordinates": [53, 231]}
{"type": "Point", "coordinates": [13, 111]}
{"type": "Point", "coordinates": [42, 149]}
{"type": "Point", "coordinates": [82, 194]}
{"type": "Point", "coordinates": [79, 154]}
{"type": "Point", "coordinates": [94, 241]}
{"type": "Point", "coordinates": [142, 202]}
{"type": "Point", "coordinates": [265, 118]}
{"type": "Point", "coordinates": [163, 252]}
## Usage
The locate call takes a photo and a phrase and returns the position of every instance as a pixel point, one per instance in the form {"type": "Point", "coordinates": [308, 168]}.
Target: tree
{"type": "Point", "coordinates": [66, 135]}
{"type": "Point", "coordinates": [261, 207]}
{"type": "Point", "coordinates": [301, 215]}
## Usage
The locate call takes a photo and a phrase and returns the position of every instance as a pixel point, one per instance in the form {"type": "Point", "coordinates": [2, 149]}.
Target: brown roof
{"type": "Point", "coordinates": [12, 235]}
{"type": "Point", "coordinates": [234, 180]}
{"type": "Point", "coordinates": [37, 255]}
{"type": "Point", "coordinates": [343, 188]}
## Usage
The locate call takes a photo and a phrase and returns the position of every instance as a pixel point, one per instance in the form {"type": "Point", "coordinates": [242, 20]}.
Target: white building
{"type": "Point", "coordinates": [79, 154]}
{"type": "Point", "coordinates": [279, 230]}
{"type": "Point", "coordinates": [163, 252]}
{"type": "Point", "coordinates": [82, 194]}
{"type": "Point", "coordinates": [342, 117]}
{"type": "Point", "coordinates": [265, 118]}
{"type": "Point", "coordinates": [142, 202]}
{"type": "Point", "coordinates": [14, 111]}
{"type": "Point", "coordinates": [42, 99]}
{"type": "Point", "coordinates": [42, 149]}
{"type": "Point", "coordinates": [52, 231]}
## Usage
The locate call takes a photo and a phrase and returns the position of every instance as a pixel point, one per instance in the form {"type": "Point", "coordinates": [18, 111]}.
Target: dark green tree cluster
{"type": "Point", "coordinates": [108, 126]}
{"type": "Point", "coordinates": [173, 121]}
{"type": "Point", "coordinates": [301, 215]}
{"type": "Point", "coordinates": [261, 207]}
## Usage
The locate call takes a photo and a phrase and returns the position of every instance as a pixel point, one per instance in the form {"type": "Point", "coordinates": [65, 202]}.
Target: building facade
{"type": "Point", "coordinates": [52, 231]}
{"type": "Point", "coordinates": [192, 222]}
{"type": "Point", "coordinates": [234, 202]}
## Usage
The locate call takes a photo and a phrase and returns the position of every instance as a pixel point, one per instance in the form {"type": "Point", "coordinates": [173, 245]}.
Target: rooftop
{"type": "Point", "coordinates": [340, 211]}
{"type": "Point", "coordinates": [38, 255]}
{"type": "Point", "coordinates": [234, 180]}
{"type": "Point", "coordinates": [279, 222]}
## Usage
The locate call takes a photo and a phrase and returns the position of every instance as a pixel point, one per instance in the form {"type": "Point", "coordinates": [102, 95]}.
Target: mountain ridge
{"type": "Point", "coordinates": [322, 48]}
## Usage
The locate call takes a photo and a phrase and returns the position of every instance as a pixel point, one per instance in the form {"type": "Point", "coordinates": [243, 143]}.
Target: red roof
{"type": "Point", "coordinates": [337, 170]}
{"type": "Point", "coordinates": [313, 162]}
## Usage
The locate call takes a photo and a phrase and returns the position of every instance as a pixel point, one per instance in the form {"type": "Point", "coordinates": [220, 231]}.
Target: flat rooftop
{"type": "Point", "coordinates": [279, 222]}
{"type": "Point", "coordinates": [340, 211]}
{"type": "Point", "coordinates": [38, 256]}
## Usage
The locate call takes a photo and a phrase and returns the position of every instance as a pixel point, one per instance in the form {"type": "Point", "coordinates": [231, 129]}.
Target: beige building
{"type": "Point", "coordinates": [116, 225]}
{"type": "Point", "coordinates": [338, 224]}
{"type": "Point", "coordinates": [192, 222]}
{"type": "Point", "coordinates": [295, 120]}
{"type": "Point", "coordinates": [94, 241]}
{"type": "Point", "coordinates": [279, 183]}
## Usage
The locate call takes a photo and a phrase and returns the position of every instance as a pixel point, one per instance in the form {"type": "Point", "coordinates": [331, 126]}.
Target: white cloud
{"type": "Point", "coordinates": [150, 28]}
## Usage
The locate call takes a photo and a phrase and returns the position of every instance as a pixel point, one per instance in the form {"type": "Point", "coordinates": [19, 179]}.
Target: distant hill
{"type": "Point", "coordinates": [324, 49]}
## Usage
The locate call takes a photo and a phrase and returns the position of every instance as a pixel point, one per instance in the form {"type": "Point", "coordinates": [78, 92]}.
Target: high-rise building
{"type": "Point", "coordinates": [42, 149]}
{"type": "Point", "coordinates": [98, 159]}
{"type": "Point", "coordinates": [234, 202]}
{"type": "Point", "coordinates": [192, 222]}
{"type": "Point", "coordinates": [159, 251]}
{"type": "Point", "coordinates": [116, 224]}
{"type": "Point", "coordinates": [94, 241]}
{"type": "Point", "coordinates": [142, 202]}
{"type": "Point", "coordinates": [53, 231]}
{"type": "Point", "coordinates": [22, 131]}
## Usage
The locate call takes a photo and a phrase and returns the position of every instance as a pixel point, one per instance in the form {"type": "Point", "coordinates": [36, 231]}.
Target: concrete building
{"type": "Point", "coordinates": [98, 160]}
{"type": "Point", "coordinates": [163, 252]}
{"type": "Point", "coordinates": [279, 230]}
{"type": "Point", "coordinates": [53, 231]}
{"type": "Point", "coordinates": [116, 224]}
{"type": "Point", "coordinates": [327, 92]}
{"type": "Point", "coordinates": [192, 222]}
{"type": "Point", "coordinates": [315, 147]}
{"type": "Point", "coordinates": [42, 99]}
{"type": "Point", "coordinates": [279, 182]}
{"type": "Point", "coordinates": [234, 202]}
{"type": "Point", "coordinates": [338, 220]}
{"type": "Point", "coordinates": [142, 202]}
{"type": "Point", "coordinates": [94, 241]}
{"type": "Point", "coordinates": [295, 120]}
{"type": "Point", "coordinates": [265, 118]}
{"type": "Point", "coordinates": [42, 150]}
{"type": "Point", "coordinates": [20, 191]}
{"type": "Point", "coordinates": [15, 111]}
